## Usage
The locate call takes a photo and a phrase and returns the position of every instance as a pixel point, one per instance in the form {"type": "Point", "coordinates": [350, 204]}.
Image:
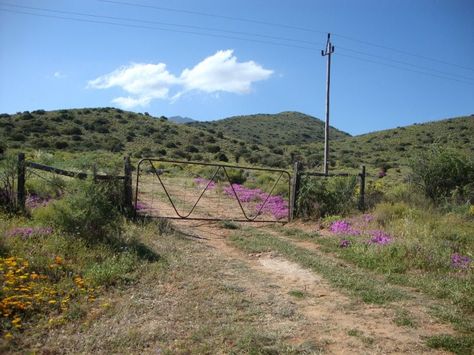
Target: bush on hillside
{"type": "Point", "coordinates": [444, 174]}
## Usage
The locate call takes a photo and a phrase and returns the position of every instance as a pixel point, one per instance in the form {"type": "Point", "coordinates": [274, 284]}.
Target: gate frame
{"type": "Point", "coordinates": [157, 172]}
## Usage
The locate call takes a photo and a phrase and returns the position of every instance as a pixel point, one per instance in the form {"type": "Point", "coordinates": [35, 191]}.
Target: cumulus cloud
{"type": "Point", "coordinates": [222, 72]}
{"type": "Point", "coordinates": [143, 82]}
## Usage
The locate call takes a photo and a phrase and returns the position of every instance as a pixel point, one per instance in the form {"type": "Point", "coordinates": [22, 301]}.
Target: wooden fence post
{"type": "Point", "coordinates": [127, 187]}
{"type": "Point", "coordinates": [362, 189]}
{"type": "Point", "coordinates": [94, 172]}
{"type": "Point", "coordinates": [20, 191]}
{"type": "Point", "coordinates": [295, 186]}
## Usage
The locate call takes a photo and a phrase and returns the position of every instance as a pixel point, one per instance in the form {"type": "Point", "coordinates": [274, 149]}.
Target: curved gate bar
{"type": "Point", "coordinates": [238, 199]}
{"type": "Point", "coordinates": [169, 197]}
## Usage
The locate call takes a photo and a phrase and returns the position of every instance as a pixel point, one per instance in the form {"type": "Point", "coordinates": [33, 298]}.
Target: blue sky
{"type": "Point", "coordinates": [396, 62]}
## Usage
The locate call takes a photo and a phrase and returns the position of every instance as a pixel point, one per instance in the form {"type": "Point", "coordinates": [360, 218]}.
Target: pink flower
{"type": "Point", "coordinates": [343, 227]}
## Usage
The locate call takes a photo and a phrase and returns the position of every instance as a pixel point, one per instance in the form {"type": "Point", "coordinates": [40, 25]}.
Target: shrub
{"type": "Point", "coordinates": [90, 211]}
{"type": "Point", "coordinates": [61, 144]}
{"type": "Point", "coordinates": [8, 173]}
{"type": "Point", "coordinates": [222, 157]}
{"type": "Point", "coordinates": [320, 197]}
{"type": "Point", "coordinates": [442, 173]}
{"type": "Point", "coordinates": [213, 148]}
{"type": "Point", "coordinates": [191, 149]}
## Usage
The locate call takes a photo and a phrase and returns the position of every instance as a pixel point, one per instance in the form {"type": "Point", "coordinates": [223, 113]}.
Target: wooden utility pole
{"type": "Point", "coordinates": [327, 52]}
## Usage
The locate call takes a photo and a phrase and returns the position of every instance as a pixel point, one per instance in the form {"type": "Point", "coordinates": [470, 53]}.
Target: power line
{"type": "Point", "coordinates": [449, 76]}
{"type": "Point", "coordinates": [233, 18]}
{"type": "Point", "coordinates": [406, 69]}
{"type": "Point", "coordinates": [158, 28]}
{"type": "Point", "coordinates": [403, 62]}
{"type": "Point", "coordinates": [402, 51]}
{"type": "Point", "coordinates": [162, 23]}
{"type": "Point", "coordinates": [280, 25]}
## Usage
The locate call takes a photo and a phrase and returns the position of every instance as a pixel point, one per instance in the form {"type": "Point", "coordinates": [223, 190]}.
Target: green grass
{"type": "Point", "coordinates": [352, 280]}
{"type": "Point", "coordinates": [457, 344]}
{"type": "Point", "coordinates": [297, 294]}
{"type": "Point", "coordinates": [403, 318]}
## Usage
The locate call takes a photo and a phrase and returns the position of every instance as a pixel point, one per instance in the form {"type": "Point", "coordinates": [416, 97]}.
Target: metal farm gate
{"type": "Point", "coordinates": [207, 191]}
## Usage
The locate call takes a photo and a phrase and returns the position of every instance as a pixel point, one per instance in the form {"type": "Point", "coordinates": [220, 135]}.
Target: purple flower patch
{"type": "Point", "coordinates": [275, 205]}
{"type": "Point", "coordinates": [34, 201]}
{"type": "Point", "coordinates": [25, 232]}
{"type": "Point", "coordinates": [367, 218]}
{"type": "Point", "coordinates": [459, 261]}
{"type": "Point", "coordinates": [380, 237]}
{"type": "Point", "coordinates": [141, 206]}
{"type": "Point", "coordinates": [202, 182]}
{"type": "Point", "coordinates": [245, 194]}
{"type": "Point", "coordinates": [343, 227]}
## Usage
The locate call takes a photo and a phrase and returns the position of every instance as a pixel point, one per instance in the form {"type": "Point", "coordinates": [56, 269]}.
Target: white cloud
{"type": "Point", "coordinates": [220, 72]}
{"type": "Point", "coordinates": [130, 102]}
{"type": "Point", "coordinates": [59, 75]}
{"type": "Point", "coordinates": [145, 81]}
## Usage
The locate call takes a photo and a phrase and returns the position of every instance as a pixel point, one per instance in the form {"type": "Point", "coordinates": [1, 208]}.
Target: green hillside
{"type": "Point", "coordinates": [272, 130]}
{"type": "Point", "coordinates": [118, 131]}
{"type": "Point", "coordinates": [266, 140]}
{"type": "Point", "coordinates": [393, 146]}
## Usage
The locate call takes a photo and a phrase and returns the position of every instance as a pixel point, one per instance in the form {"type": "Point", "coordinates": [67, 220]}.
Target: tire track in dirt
{"type": "Point", "coordinates": [342, 324]}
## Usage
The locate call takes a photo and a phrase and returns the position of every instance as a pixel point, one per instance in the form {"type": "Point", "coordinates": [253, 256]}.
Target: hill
{"type": "Point", "coordinates": [180, 119]}
{"type": "Point", "coordinates": [256, 139]}
{"type": "Point", "coordinates": [272, 130]}
{"type": "Point", "coordinates": [115, 130]}
{"type": "Point", "coordinates": [393, 146]}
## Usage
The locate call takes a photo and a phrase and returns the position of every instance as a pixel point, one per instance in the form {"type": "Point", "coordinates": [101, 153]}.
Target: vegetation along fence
{"type": "Point", "coordinates": [207, 191]}
{"type": "Point", "coordinates": [23, 166]}
{"type": "Point", "coordinates": [315, 195]}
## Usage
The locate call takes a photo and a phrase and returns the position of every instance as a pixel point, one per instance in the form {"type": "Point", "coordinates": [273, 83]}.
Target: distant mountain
{"type": "Point", "coordinates": [272, 130]}
{"type": "Point", "coordinates": [180, 119]}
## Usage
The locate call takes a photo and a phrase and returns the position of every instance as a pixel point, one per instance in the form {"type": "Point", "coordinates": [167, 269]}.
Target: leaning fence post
{"type": "Point", "coordinates": [362, 189]}
{"type": "Point", "coordinates": [21, 195]}
{"type": "Point", "coordinates": [295, 185]}
{"type": "Point", "coordinates": [127, 187]}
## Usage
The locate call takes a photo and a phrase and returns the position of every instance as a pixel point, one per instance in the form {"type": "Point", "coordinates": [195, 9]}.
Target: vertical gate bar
{"type": "Point", "coordinates": [127, 187]}
{"type": "Point", "coordinates": [136, 189]}
{"type": "Point", "coordinates": [21, 195]}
